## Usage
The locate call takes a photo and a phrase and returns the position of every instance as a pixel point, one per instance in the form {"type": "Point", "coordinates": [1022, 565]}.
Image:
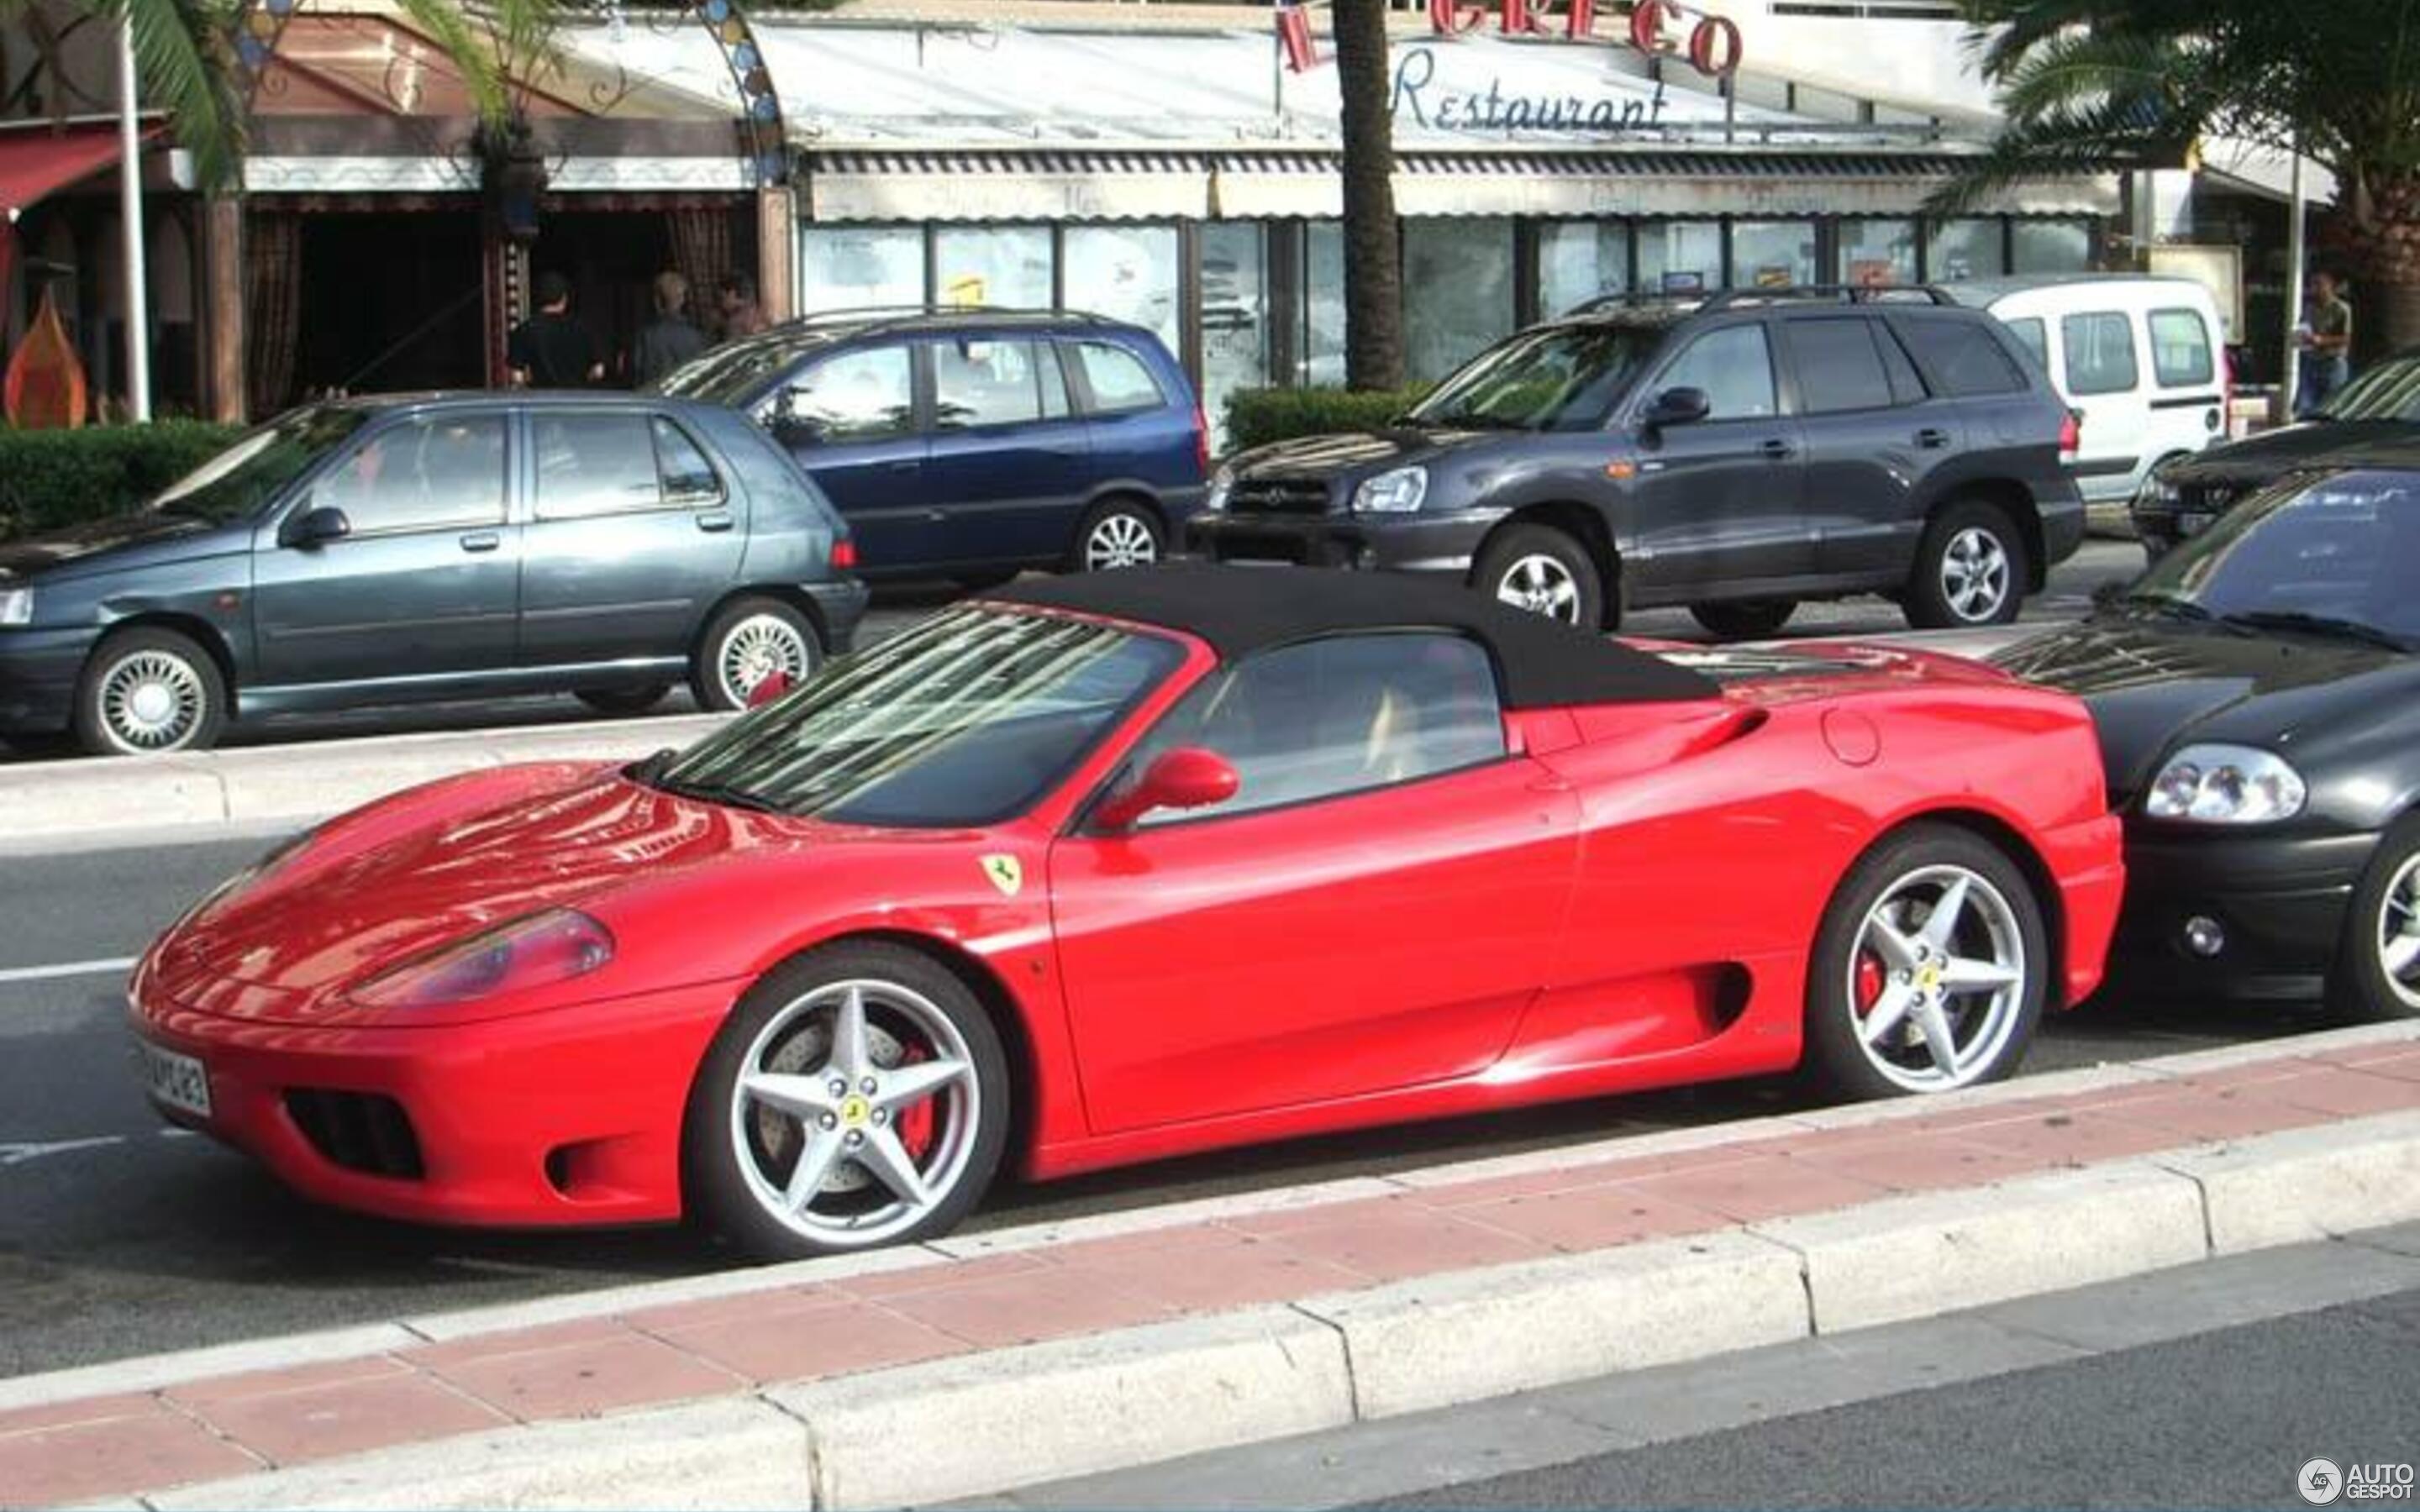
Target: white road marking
{"type": "Point", "coordinates": [18, 1154]}
{"type": "Point", "coordinates": [68, 968]}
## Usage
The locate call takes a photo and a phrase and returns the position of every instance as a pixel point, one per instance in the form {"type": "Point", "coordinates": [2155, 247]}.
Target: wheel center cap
{"type": "Point", "coordinates": [855, 1112]}
{"type": "Point", "coordinates": [152, 702]}
{"type": "Point", "coordinates": [1928, 976]}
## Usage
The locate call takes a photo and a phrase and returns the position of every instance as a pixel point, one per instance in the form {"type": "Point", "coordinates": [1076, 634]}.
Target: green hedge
{"type": "Point", "coordinates": [50, 478]}
{"type": "Point", "coordinates": [1256, 417]}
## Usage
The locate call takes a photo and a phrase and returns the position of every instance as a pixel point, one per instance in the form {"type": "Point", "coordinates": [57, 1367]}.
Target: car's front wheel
{"type": "Point", "coordinates": [1971, 569]}
{"type": "Point", "coordinates": [148, 690]}
{"type": "Point", "coordinates": [2377, 973]}
{"type": "Point", "coordinates": [857, 1097]}
{"type": "Point", "coordinates": [1750, 619]}
{"type": "Point", "coordinates": [1930, 969]}
{"type": "Point", "coordinates": [1540, 569]}
{"type": "Point", "coordinates": [748, 642]}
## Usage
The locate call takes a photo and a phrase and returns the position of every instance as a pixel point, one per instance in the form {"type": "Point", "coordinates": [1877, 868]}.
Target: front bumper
{"type": "Point", "coordinates": [2279, 900]}
{"type": "Point", "coordinates": [842, 603]}
{"type": "Point", "coordinates": [37, 677]}
{"type": "Point", "coordinates": [568, 1117]}
{"type": "Point", "coordinates": [1394, 542]}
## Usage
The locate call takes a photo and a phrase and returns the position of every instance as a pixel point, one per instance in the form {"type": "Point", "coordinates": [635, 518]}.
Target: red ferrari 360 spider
{"type": "Point", "coordinates": [1123, 865]}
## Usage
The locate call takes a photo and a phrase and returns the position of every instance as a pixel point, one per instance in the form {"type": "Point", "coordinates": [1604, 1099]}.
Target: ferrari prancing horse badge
{"type": "Point", "coordinates": [1005, 873]}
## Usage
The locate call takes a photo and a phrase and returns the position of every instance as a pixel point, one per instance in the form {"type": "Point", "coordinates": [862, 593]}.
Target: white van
{"type": "Point", "coordinates": [2141, 356]}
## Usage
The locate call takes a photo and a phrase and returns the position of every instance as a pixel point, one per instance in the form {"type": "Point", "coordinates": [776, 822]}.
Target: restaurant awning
{"type": "Point", "coordinates": [38, 159]}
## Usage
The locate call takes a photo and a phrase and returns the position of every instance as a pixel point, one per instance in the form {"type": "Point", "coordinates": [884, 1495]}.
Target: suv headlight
{"type": "Point", "coordinates": [1398, 493]}
{"type": "Point", "coordinates": [2157, 489]}
{"type": "Point", "coordinates": [2226, 785]}
{"type": "Point", "coordinates": [16, 606]}
{"type": "Point", "coordinates": [1222, 482]}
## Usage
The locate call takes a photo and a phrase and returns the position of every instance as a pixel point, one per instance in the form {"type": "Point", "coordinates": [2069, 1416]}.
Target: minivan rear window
{"type": "Point", "coordinates": [1118, 378]}
{"type": "Point", "coordinates": [2100, 353]}
{"type": "Point", "coordinates": [1961, 357]}
{"type": "Point", "coordinates": [2179, 348]}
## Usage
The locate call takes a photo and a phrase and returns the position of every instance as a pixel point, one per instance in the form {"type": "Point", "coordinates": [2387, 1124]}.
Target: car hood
{"type": "Point", "coordinates": [2272, 454]}
{"type": "Point", "coordinates": [2155, 686]}
{"type": "Point", "coordinates": [119, 539]}
{"type": "Point", "coordinates": [1354, 452]}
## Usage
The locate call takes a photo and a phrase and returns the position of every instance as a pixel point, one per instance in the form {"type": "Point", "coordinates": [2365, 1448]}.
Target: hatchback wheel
{"type": "Point", "coordinates": [1929, 971]}
{"type": "Point", "coordinates": [148, 690]}
{"type": "Point", "coordinates": [2377, 974]}
{"type": "Point", "coordinates": [1540, 569]}
{"type": "Point", "coordinates": [1750, 619]}
{"type": "Point", "coordinates": [857, 1097]}
{"type": "Point", "coordinates": [1118, 533]}
{"type": "Point", "coordinates": [748, 642]}
{"type": "Point", "coordinates": [1971, 569]}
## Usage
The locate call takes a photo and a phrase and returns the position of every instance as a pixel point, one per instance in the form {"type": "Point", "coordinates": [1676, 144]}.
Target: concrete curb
{"type": "Point", "coordinates": [2303, 1184]}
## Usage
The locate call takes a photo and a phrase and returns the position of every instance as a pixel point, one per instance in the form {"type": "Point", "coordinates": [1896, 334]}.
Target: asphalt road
{"type": "Point", "coordinates": [2068, 595]}
{"type": "Point", "coordinates": [118, 1237]}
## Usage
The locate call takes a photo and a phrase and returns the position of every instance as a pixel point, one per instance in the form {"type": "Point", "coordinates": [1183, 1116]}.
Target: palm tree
{"type": "Point", "coordinates": [1373, 284]}
{"type": "Point", "coordinates": [2089, 84]}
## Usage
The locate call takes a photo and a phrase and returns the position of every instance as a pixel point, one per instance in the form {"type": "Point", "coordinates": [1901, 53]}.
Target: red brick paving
{"type": "Point", "coordinates": [114, 1446]}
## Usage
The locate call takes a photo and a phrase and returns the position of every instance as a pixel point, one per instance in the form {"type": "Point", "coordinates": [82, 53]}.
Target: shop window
{"type": "Point", "coordinates": [2100, 353]}
{"type": "Point", "coordinates": [983, 382]}
{"type": "Point", "coordinates": [1235, 317]}
{"type": "Point", "coordinates": [1579, 261]}
{"type": "Point", "coordinates": [1875, 252]}
{"type": "Point", "coordinates": [1007, 267]}
{"type": "Point", "coordinates": [1323, 304]}
{"type": "Point", "coordinates": [2179, 348]}
{"type": "Point", "coordinates": [1117, 377]}
{"type": "Point", "coordinates": [2052, 246]}
{"type": "Point", "coordinates": [1680, 256]}
{"type": "Point", "coordinates": [1125, 272]}
{"type": "Point", "coordinates": [1457, 291]}
{"type": "Point", "coordinates": [1959, 249]}
{"type": "Point", "coordinates": [1734, 367]}
{"type": "Point", "coordinates": [1773, 253]}
{"type": "Point", "coordinates": [859, 266]}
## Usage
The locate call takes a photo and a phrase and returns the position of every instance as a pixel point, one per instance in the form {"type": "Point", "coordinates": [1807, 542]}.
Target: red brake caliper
{"type": "Point", "coordinates": [1869, 982]}
{"type": "Point", "coordinates": [916, 1124]}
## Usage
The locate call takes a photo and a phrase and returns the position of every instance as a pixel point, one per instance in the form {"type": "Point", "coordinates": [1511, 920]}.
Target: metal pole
{"type": "Point", "coordinates": [2293, 279]}
{"type": "Point", "coordinates": [129, 221]}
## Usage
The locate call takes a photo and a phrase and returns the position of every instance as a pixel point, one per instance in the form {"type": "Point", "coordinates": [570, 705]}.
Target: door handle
{"type": "Point", "coordinates": [1932, 439]}
{"type": "Point", "coordinates": [1776, 450]}
{"type": "Point", "coordinates": [714, 520]}
{"type": "Point", "coordinates": [482, 541]}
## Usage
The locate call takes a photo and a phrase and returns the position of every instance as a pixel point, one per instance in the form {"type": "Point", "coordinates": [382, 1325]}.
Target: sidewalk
{"type": "Point", "coordinates": [982, 1363]}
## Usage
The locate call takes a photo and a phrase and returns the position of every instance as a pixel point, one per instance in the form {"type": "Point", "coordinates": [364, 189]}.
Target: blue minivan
{"type": "Point", "coordinates": [974, 443]}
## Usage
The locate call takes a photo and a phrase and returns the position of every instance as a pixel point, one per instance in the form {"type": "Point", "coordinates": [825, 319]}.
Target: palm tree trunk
{"type": "Point", "coordinates": [1373, 301]}
{"type": "Point", "coordinates": [2386, 248]}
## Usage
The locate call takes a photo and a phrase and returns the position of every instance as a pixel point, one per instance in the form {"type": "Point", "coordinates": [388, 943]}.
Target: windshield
{"type": "Point", "coordinates": [967, 718]}
{"type": "Point", "coordinates": [728, 374]}
{"type": "Point", "coordinates": [2390, 390]}
{"type": "Point", "coordinates": [2334, 556]}
{"type": "Point", "coordinates": [238, 482]}
{"type": "Point", "coordinates": [1556, 378]}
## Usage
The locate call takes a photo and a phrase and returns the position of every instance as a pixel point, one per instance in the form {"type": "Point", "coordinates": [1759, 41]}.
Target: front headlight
{"type": "Point", "coordinates": [2226, 785]}
{"type": "Point", "coordinates": [16, 606]}
{"type": "Point", "coordinates": [1222, 482]}
{"type": "Point", "coordinates": [1398, 493]}
{"type": "Point", "coordinates": [531, 952]}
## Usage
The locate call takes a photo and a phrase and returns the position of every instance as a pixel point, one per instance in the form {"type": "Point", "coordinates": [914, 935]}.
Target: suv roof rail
{"type": "Point", "coordinates": [1836, 293]}
{"type": "Point", "coordinates": [892, 314]}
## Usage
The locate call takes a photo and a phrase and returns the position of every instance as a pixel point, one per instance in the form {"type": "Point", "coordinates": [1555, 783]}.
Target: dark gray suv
{"type": "Point", "coordinates": [393, 550]}
{"type": "Point", "coordinates": [1736, 457]}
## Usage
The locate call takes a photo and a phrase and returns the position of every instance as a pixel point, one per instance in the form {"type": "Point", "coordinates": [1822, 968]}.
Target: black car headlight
{"type": "Point", "coordinates": [2216, 784]}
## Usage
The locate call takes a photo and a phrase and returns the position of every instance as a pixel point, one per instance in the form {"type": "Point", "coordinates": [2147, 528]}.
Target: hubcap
{"type": "Point", "coordinates": [2398, 933]}
{"type": "Point", "coordinates": [1936, 983]}
{"type": "Point", "coordinates": [1541, 585]}
{"type": "Point", "coordinates": [1120, 541]}
{"type": "Point", "coordinates": [151, 700]}
{"type": "Point", "coordinates": [1975, 574]}
{"type": "Point", "coordinates": [757, 648]}
{"type": "Point", "coordinates": [855, 1112]}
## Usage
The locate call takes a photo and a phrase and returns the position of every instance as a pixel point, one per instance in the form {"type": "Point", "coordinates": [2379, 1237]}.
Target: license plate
{"type": "Point", "coordinates": [179, 1081]}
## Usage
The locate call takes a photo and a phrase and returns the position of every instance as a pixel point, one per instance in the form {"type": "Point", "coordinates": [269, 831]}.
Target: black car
{"type": "Point", "coordinates": [1736, 457]}
{"type": "Point", "coordinates": [2257, 693]}
{"type": "Point", "coordinates": [383, 551]}
{"type": "Point", "coordinates": [2378, 410]}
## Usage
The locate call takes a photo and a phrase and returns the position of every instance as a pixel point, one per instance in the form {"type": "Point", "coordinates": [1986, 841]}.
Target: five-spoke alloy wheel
{"type": "Point", "coordinates": [1971, 569]}
{"type": "Point", "coordinates": [1931, 970]}
{"type": "Point", "coordinates": [857, 1097]}
{"type": "Point", "coordinates": [1540, 569]}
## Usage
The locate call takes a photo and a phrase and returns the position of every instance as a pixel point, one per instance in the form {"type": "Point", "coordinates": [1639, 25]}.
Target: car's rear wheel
{"type": "Point", "coordinates": [1971, 569]}
{"type": "Point", "coordinates": [1119, 533]}
{"type": "Point", "coordinates": [1930, 969]}
{"type": "Point", "coordinates": [1750, 619]}
{"type": "Point", "coordinates": [1540, 569]}
{"type": "Point", "coordinates": [623, 701]}
{"type": "Point", "coordinates": [148, 690]}
{"type": "Point", "coordinates": [2377, 972]}
{"type": "Point", "coordinates": [855, 1097]}
{"type": "Point", "coordinates": [748, 642]}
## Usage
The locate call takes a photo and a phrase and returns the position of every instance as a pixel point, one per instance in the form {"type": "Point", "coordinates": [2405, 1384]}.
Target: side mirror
{"type": "Point", "coordinates": [1678, 407]}
{"type": "Point", "coordinates": [769, 688]}
{"type": "Point", "coordinates": [1187, 777]}
{"type": "Point", "coordinates": [315, 527]}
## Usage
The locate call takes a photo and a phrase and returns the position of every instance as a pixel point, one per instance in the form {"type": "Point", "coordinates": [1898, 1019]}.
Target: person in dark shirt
{"type": "Point", "coordinates": [552, 349]}
{"type": "Point", "coordinates": [669, 340]}
{"type": "Point", "coordinates": [742, 315]}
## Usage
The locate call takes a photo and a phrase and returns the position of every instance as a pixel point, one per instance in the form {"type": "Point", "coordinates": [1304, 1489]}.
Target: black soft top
{"type": "Point", "coordinates": [1238, 611]}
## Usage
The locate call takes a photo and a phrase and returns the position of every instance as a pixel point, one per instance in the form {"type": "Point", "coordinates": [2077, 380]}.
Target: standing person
{"type": "Point", "coordinates": [552, 349]}
{"type": "Point", "coordinates": [2326, 340]}
{"type": "Point", "coordinates": [736, 297]}
{"type": "Point", "coordinates": [669, 340]}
